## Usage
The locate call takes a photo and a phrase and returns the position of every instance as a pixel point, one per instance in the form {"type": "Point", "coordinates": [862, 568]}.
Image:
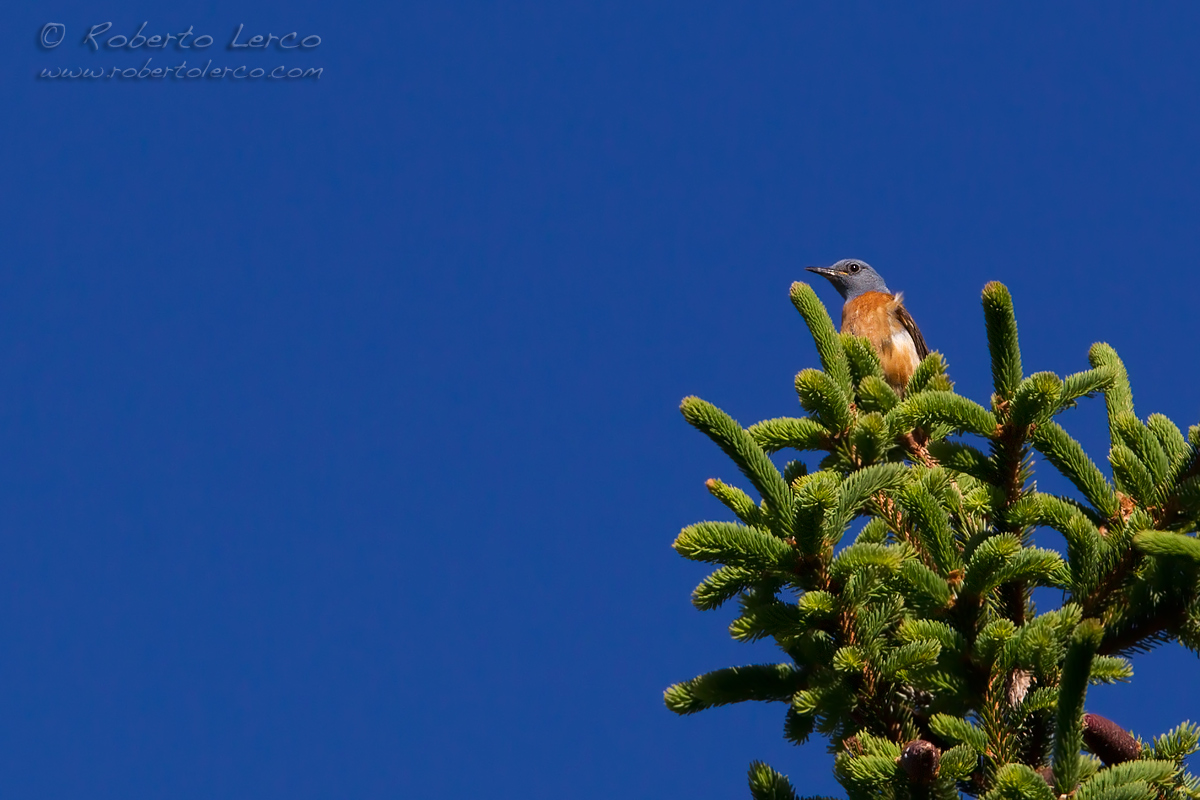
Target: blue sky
{"type": "Point", "coordinates": [339, 444]}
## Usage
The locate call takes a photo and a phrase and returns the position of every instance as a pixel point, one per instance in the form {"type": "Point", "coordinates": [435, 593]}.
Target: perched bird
{"type": "Point", "coordinates": [871, 310]}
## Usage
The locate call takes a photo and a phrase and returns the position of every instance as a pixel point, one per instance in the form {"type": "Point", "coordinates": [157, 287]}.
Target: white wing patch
{"type": "Point", "coordinates": [906, 347]}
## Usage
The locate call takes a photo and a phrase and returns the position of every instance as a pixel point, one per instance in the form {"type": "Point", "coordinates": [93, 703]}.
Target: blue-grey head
{"type": "Point", "coordinates": [852, 277]}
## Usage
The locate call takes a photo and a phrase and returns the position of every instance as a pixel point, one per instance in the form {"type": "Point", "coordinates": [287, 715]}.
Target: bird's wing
{"type": "Point", "coordinates": [910, 325]}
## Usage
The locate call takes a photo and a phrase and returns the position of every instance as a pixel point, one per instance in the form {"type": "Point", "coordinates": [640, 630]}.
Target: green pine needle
{"type": "Point", "coordinates": [734, 685]}
{"type": "Point", "coordinates": [1169, 545]}
{"type": "Point", "coordinates": [767, 784]}
{"type": "Point", "coordinates": [1118, 396]}
{"type": "Point", "coordinates": [798, 433]}
{"type": "Point", "coordinates": [732, 544]}
{"type": "Point", "coordinates": [1002, 339]}
{"type": "Point", "coordinates": [740, 446]}
{"type": "Point", "coordinates": [828, 341]}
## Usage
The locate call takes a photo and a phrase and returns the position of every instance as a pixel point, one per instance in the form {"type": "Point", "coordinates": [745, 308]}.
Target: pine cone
{"type": "Point", "coordinates": [920, 760]}
{"type": "Point", "coordinates": [1108, 740]}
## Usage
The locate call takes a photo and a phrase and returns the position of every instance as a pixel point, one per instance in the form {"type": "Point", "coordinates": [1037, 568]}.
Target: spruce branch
{"type": "Point", "coordinates": [828, 341]}
{"type": "Point", "coordinates": [1179, 453]}
{"type": "Point", "coordinates": [822, 397]}
{"type": "Point", "coordinates": [862, 358]}
{"type": "Point", "coordinates": [734, 545]}
{"type": "Point", "coordinates": [767, 784]}
{"type": "Point", "coordinates": [874, 394]}
{"type": "Point", "coordinates": [928, 409]}
{"type": "Point", "coordinates": [1068, 732]}
{"type": "Point", "coordinates": [799, 433]}
{"type": "Point", "coordinates": [1169, 545]}
{"type": "Point", "coordinates": [722, 586]}
{"type": "Point", "coordinates": [964, 458]}
{"type": "Point", "coordinates": [1036, 398]}
{"type": "Point", "coordinates": [1085, 384]}
{"type": "Point", "coordinates": [776, 682]}
{"type": "Point", "coordinates": [740, 446]}
{"type": "Point", "coordinates": [1002, 339]}
{"type": "Point", "coordinates": [1118, 396]}
{"type": "Point", "coordinates": [930, 374]}
{"type": "Point", "coordinates": [1019, 782]}
{"type": "Point", "coordinates": [736, 501]}
{"type": "Point", "coordinates": [1069, 458]}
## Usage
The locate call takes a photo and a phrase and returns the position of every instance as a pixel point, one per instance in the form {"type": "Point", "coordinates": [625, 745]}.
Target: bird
{"type": "Point", "coordinates": [871, 310]}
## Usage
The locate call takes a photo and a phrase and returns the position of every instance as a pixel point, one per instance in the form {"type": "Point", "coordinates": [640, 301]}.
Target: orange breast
{"type": "Point", "coordinates": [873, 315]}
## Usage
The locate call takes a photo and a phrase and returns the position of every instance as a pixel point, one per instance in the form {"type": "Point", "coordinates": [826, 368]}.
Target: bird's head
{"type": "Point", "coordinates": [852, 277]}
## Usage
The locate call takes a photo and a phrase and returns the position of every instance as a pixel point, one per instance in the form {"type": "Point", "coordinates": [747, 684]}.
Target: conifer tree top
{"type": "Point", "coordinates": [915, 649]}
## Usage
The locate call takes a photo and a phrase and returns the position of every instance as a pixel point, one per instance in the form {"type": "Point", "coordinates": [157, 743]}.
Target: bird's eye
{"type": "Point", "coordinates": [854, 268]}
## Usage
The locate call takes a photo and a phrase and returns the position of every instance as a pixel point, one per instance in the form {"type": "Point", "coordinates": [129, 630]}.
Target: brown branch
{"type": "Point", "coordinates": [1099, 598]}
{"type": "Point", "coordinates": [1163, 619]}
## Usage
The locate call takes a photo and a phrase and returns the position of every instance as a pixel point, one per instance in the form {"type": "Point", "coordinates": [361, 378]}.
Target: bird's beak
{"type": "Point", "coordinates": [826, 271]}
